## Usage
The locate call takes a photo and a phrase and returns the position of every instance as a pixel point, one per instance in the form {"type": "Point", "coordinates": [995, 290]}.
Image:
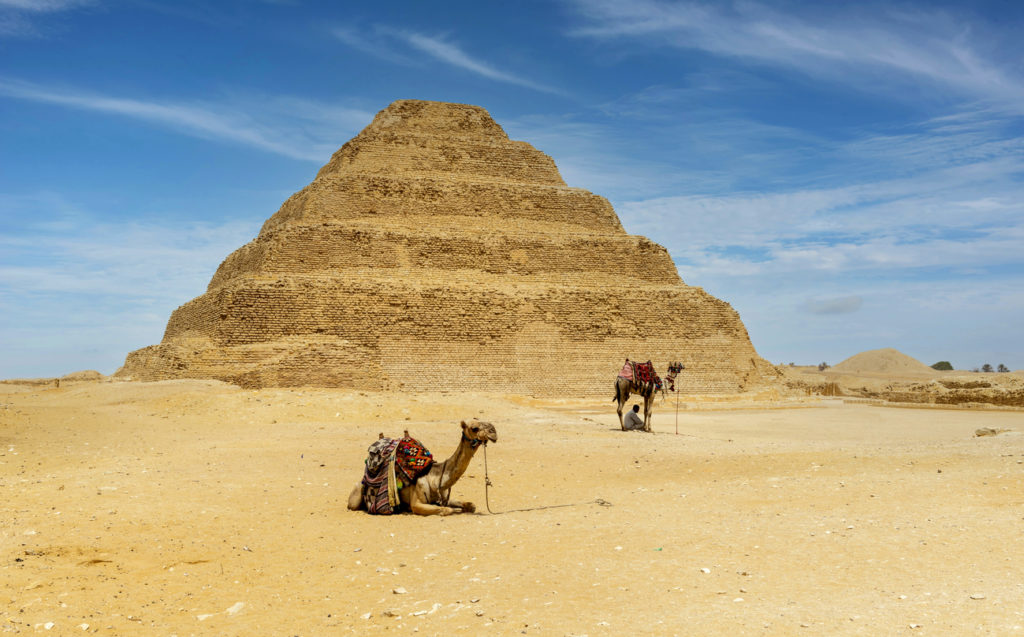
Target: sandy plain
{"type": "Point", "coordinates": [198, 508]}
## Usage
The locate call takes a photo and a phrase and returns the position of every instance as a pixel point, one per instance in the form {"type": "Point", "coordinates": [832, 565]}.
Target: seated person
{"type": "Point", "coordinates": [633, 421]}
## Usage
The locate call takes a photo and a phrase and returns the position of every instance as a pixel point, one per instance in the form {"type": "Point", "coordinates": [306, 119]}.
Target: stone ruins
{"type": "Point", "coordinates": [434, 253]}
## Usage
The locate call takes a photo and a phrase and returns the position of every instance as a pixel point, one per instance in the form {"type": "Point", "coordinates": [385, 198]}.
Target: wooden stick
{"type": "Point", "coordinates": [677, 412]}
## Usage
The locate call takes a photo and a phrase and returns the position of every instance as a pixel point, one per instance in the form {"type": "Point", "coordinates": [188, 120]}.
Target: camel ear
{"type": "Point", "coordinates": [464, 425]}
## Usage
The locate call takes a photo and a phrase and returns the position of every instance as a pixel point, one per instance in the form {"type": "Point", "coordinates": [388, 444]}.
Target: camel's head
{"type": "Point", "coordinates": [478, 431]}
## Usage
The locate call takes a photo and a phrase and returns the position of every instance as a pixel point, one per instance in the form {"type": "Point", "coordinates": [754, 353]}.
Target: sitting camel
{"type": "Point", "coordinates": [429, 494]}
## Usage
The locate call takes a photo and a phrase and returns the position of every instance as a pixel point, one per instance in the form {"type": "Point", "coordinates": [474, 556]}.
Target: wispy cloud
{"type": "Point", "coordinates": [77, 288]}
{"type": "Point", "coordinates": [405, 47]}
{"type": "Point", "coordinates": [279, 125]}
{"type": "Point", "coordinates": [888, 227]}
{"type": "Point", "coordinates": [451, 54]}
{"type": "Point", "coordinates": [19, 18]}
{"type": "Point", "coordinates": [44, 6]}
{"type": "Point", "coordinates": [872, 51]}
{"type": "Point", "coordinates": [595, 157]}
{"type": "Point", "coordinates": [376, 41]}
{"type": "Point", "coordinates": [919, 238]}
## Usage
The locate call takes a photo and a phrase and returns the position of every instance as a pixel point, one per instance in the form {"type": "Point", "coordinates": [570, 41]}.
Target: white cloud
{"type": "Point", "coordinates": [380, 42]}
{"type": "Point", "coordinates": [44, 6]}
{"type": "Point", "coordinates": [279, 125]}
{"type": "Point", "coordinates": [374, 43]}
{"type": "Point", "coordinates": [451, 54]}
{"type": "Point", "coordinates": [81, 293]}
{"type": "Point", "coordinates": [18, 18]}
{"type": "Point", "coordinates": [868, 51]}
{"type": "Point", "coordinates": [899, 191]}
{"type": "Point", "coordinates": [81, 255]}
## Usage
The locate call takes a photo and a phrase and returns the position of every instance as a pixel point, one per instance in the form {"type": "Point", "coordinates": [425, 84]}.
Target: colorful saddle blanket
{"type": "Point", "coordinates": [640, 373]}
{"type": "Point", "coordinates": [411, 460]}
{"type": "Point", "coordinates": [390, 466]}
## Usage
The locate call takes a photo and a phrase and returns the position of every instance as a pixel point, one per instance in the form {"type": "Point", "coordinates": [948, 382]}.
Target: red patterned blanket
{"type": "Point", "coordinates": [640, 373]}
{"type": "Point", "coordinates": [390, 466]}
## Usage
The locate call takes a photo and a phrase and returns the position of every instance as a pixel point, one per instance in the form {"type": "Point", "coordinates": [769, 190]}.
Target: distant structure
{"type": "Point", "coordinates": [883, 361]}
{"type": "Point", "coordinates": [433, 253]}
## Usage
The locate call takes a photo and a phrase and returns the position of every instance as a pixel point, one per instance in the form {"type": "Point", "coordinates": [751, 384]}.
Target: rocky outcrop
{"type": "Point", "coordinates": [433, 252]}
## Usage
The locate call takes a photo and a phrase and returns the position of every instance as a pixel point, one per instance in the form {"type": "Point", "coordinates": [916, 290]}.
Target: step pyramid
{"type": "Point", "coordinates": [434, 253]}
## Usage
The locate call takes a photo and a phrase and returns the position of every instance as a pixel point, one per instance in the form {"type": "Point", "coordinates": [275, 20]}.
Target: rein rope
{"type": "Point", "coordinates": [487, 496]}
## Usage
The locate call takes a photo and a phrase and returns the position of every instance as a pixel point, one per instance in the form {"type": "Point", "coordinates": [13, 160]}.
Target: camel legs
{"type": "Point", "coordinates": [621, 396]}
{"type": "Point", "coordinates": [424, 508]}
{"type": "Point", "coordinates": [419, 506]}
{"type": "Point", "coordinates": [355, 499]}
{"type": "Point", "coordinates": [464, 507]}
{"type": "Point", "coordinates": [623, 388]}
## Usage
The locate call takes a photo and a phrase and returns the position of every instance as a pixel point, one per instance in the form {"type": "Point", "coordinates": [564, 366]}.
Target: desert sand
{"type": "Point", "coordinates": [199, 508]}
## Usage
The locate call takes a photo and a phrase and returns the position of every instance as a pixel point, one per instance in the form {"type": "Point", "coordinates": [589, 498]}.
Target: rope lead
{"type": "Point", "coordinates": [487, 496]}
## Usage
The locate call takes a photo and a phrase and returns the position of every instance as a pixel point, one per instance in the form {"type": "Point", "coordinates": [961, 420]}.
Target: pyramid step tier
{"type": "Point", "coordinates": [526, 363]}
{"type": "Point", "coordinates": [419, 155]}
{"type": "Point", "coordinates": [366, 310]}
{"type": "Point", "coordinates": [388, 198]}
{"type": "Point", "coordinates": [342, 250]}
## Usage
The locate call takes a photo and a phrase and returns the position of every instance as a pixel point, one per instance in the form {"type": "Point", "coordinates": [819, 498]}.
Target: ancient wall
{"type": "Point", "coordinates": [432, 252]}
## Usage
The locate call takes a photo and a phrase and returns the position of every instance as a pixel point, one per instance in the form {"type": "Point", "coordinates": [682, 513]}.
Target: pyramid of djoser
{"type": "Point", "coordinates": [434, 253]}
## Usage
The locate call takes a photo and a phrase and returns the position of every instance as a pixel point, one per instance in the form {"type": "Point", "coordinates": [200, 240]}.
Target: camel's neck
{"type": "Point", "coordinates": [457, 464]}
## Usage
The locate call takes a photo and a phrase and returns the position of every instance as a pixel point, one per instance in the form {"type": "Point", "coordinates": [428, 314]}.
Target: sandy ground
{"type": "Point", "coordinates": [197, 508]}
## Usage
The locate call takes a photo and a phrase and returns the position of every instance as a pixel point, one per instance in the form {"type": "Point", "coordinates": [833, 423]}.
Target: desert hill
{"type": "Point", "coordinates": [890, 375]}
{"type": "Point", "coordinates": [882, 361]}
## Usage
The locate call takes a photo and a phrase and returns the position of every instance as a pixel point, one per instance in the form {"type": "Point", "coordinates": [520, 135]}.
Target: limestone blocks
{"type": "Point", "coordinates": [432, 252]}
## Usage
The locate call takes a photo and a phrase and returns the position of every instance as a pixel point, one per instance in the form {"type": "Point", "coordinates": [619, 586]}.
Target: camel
{"type": "Point", "coordinates": [625, 386]}
{"type": "Point", "coordinates": [429, 494]}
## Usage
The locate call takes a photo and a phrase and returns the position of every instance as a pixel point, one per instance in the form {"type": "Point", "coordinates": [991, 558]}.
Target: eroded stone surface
{"type": "Point", "coordinates": [432, 252]}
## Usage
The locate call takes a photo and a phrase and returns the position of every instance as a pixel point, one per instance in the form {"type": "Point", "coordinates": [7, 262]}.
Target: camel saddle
{"type": "Point", "coordinates": [640, 373]}
{"type": "Point", "coordinates": [392, 464]}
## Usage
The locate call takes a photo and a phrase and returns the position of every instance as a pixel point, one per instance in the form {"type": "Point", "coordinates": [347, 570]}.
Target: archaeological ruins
{"type": "Point", "coordinates": [434, 253]}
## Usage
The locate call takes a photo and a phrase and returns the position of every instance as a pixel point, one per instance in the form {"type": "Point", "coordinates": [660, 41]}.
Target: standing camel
{"type": "Point", "coordinates": [626, 386]}
{"type": "Point", "coordinates": [429, 494]}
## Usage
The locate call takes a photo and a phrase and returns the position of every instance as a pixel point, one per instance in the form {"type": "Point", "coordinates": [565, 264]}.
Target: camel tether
{"type": "Point", "coordinates": [402, 473]}
{"type": "Point", "coordinates": [426, 488]}
{"type": "Point", "coordinates": [487, 497]}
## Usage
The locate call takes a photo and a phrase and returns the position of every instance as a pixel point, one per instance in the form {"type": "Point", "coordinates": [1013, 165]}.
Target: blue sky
{"type": "Point", "coordinates": [848, 178]}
